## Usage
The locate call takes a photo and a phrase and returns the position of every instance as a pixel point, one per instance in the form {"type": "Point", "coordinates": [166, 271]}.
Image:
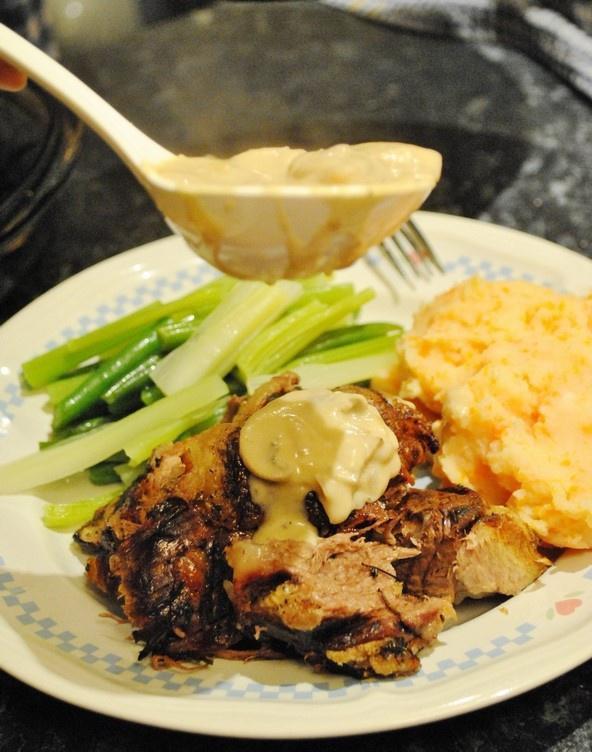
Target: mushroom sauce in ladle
{"type": "Point", "coordinates": [266, 213]}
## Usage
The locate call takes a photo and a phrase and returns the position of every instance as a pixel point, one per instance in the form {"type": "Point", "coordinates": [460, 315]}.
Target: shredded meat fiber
{"type": "Point", "coordinates": [174, 552]}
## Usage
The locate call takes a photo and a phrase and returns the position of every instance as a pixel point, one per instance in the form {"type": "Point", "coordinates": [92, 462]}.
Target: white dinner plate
{"type": "Point", "coordinates": [54, 634]}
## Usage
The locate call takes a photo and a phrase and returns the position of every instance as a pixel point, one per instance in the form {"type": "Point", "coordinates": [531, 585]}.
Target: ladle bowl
{"type": "Point", "coordinates": [250, 231]}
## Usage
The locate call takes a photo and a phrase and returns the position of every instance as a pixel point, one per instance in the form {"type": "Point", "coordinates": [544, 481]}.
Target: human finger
{"type": "Point", "coordinates": [11, 79]}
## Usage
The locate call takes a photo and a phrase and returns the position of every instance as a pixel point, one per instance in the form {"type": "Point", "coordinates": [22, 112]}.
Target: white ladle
{"type": "Point", "coordinates": [252, 231]}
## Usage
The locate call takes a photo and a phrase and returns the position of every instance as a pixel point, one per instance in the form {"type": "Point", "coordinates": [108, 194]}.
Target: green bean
{"type": "Point", "coordinates": [76, 429]}
{"type": "Point", "coordinates": [103, 474]}
{"type": "Point", "coordinates": [348, 335]}
{"type": "Point", "coordinates": [176, 333]}
{"type": "Point", "coordinates": [97, 383]}
{"type": "Point", "coordinates": [125, 393]}
{"type": "Point", "coordinates": [150, 394]}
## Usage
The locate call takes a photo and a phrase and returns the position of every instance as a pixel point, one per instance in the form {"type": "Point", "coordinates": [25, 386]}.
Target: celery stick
{"type": "Point", "coordinates": [78, 453]}
{"type": "Point", "coordinates": [272, 337]}
{"type": "Point", "coordinates": [49, 366]}
{"type": "Point", "coordinates": [347, 335]}
{"type": "Point", "coordinates": [140, 447]}
{"type": "Point", "coordinates": [74, 514]}
{"type": "Point", "coordinates": [330, 375]}
{"type": "Point", "coordinates": [278, 351]}
{"type": "Point", "coordinates": [217, 343]}
{"type": "Point", "coordinates": [328, 295]}
{"type": "Point", "coordinates": [59, 390]}
{"type": "Point", "coordinates": [346, 352]}
{"type": "Point", "coordinates": [128, 474]}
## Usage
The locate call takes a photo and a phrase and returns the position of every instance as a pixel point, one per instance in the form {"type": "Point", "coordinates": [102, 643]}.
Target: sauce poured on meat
{"type": "Point", "coordinates": [334, 444]}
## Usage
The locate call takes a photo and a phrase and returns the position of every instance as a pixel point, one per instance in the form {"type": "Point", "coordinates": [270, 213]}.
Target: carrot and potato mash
{"type": "Point", "coordinates": [507, 369]}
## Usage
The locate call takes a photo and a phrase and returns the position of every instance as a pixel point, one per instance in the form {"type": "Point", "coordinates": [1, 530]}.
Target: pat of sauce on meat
{"type": "Point", "coordinates": [333, 443]}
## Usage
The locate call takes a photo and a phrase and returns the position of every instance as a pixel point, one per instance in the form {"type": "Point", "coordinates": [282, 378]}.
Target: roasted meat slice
{"type": "Point", "coordinates": [465, 549]}
{"type": "Point", "coordinates": [336, 603]}
{"type": "Point", "coordinates": [176, 553]}
{"type": "Point", "coordinates": [171, 574]}
{"type": "Point", "coordinates": [204, 467]}
{"type": "Point", "coordinates": [499, 555]}
{"type": "Point", "coordinates": [158, 550]}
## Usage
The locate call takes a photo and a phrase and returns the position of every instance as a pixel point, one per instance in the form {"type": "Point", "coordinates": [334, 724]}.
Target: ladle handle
{"type": "Point", "coordinates": [130, 143]}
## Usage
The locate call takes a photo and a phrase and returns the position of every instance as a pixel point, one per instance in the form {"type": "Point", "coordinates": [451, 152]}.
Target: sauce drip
{"type": "Point", "coordinates": [333, 443]}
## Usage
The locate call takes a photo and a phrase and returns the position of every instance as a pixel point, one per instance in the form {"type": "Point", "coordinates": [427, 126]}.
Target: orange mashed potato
{"type": "Point", "coordinates": [507, 369]}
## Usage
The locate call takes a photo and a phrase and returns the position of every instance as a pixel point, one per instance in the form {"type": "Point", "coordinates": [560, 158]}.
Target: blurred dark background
{"type": "Point", "coordinates": [220, 77]}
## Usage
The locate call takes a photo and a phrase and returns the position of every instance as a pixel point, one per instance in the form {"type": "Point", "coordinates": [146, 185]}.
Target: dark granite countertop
{"type": "Point", "coordinates": [516, 144]}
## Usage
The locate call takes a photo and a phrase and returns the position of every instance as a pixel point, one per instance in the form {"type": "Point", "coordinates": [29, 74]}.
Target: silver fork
{"type": "Point", "coordinates": [409, 254]}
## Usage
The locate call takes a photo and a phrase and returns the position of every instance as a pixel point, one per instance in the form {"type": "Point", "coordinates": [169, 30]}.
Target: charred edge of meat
{"type": "Point", "coordinates": [165, 513]}
{"type": "Point", "coordinates": [396, 648]}
{"type": "Point", "coordinates": [165, 601]}
{"type": "Point", "coordinates": [106, 539]}
{"type": "Point", "coordinates": [436, 522]}
{"type": "Point", "coordinates": [260, 586]}
{"type": "Point", "coordinates": [109, 541]}
{"type": "Point", "coordinates": [317, 515]}
{"type": "Point", "coordinates": [102, 581]}
{"type": "Point", "coordinates": [333, 633]}
{"type": "Point", "coordinates": [236, 479]}
{"type": "Point", "coordinates": [87, 547]}
{"type": "Point", "coordinates": [216, 610]}
{"type": "Point", "coordinates": [158, 601]}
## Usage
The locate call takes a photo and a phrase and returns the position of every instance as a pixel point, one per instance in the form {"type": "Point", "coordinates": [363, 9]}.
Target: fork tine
{"type": "Point", "coordinates": [386, 279]}
{"type": "Point", "coordinates": [407, 250]}
{"type": "Point", "coordinates": [418, 240]}
{"type": "Point", "coordinates": [386, 250]}
{"type": "Point", "coordinates": [409, 254]}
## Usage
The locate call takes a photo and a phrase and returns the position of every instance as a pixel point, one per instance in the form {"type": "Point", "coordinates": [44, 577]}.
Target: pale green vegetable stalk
{"type": "Point", "coordinates": [74, 455]}
{"type": "Point", "coordinates": [219, 340]}
{"type": "Point", "coordinates": [129, 474]}
{"type": "Point", "coordinates": [331, 375]}
{"type": "Point", "coordinates": [140, 447]}
{"type": "Point", "coordinates": [74, 514]}
{"type": "Point", "coordinates": [273, 348]}
{"type": "Point", "coordinates": [49, 366]}
{"type": "Point", "coordinates": [58, 390]}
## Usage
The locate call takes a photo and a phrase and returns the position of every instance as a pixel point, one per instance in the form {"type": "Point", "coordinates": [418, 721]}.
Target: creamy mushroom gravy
{"type": "Point", "coordinates": [279, 212]}
{"type": "Point", "coordinates": [333, 443]}
{"type": "Point", "coordinates": [360, 164]}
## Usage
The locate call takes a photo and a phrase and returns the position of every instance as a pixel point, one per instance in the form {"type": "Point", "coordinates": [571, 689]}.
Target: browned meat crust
{"type": "Point", "coordinates": [166, 551]}
{"type": "Point", "coordinates": [434, 523]}
{"type": "Point", "coordinates": [465, 549]}
{"type": "Point", "coordinates": [159, 550]}
{"type": "Point", "coordinates": [338, 604]}
{"type": "Point", "coordinates": [416, 439]}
